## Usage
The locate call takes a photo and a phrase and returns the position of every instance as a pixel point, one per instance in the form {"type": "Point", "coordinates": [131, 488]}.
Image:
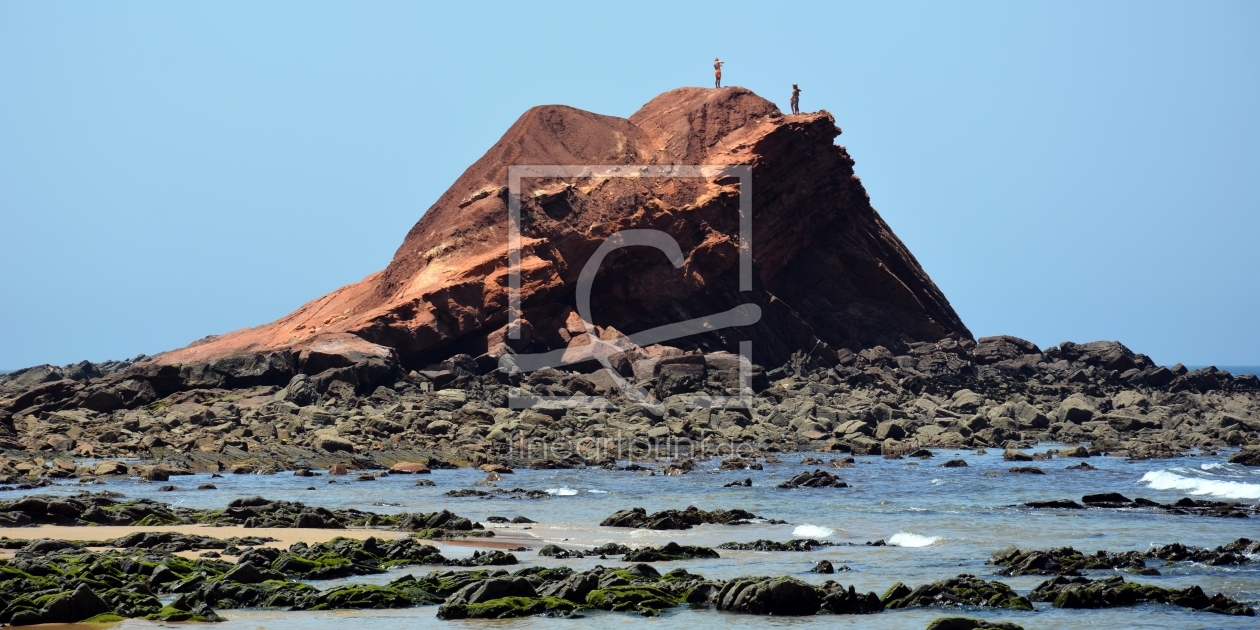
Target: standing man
{"type": "Point", "coordinates": [796, 99]}
{"type": "Point", "coordinates": [717, 72]}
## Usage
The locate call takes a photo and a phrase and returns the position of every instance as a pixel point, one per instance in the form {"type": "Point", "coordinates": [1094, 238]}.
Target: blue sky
{"type": "Point", "coordinates": [1063, 171]}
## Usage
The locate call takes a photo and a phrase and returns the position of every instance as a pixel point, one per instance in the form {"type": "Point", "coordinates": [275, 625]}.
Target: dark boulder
{"type": "Point", "coordinates": [841, 601]}
{"type": "Point", "coordinates": [1061, 504]}
{"type": "Point", "coordinates": [817, 479]}
{"type": "Point", "coordinates": [493, 588]}
{"type": "Point", "coordinates": [81, 604]}
{"type": "Point", "coordinates": [991, 350]}
{"type": "Point", "coordinates": [962, 590]}
{"type": "Point", "coordinates": [782, 597]}
{"type": "Point", "coordinates": [574, 588]}
{"type": "Point", "coordinates": [969, 623]}
{"type": "Point", "coordinates": [670, 552]}
{"type": "Point", "coordinates": [1249, 456]}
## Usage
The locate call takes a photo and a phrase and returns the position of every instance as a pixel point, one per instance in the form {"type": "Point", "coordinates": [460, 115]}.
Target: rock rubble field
{"type": "Point", "coordinates": [998, 393]}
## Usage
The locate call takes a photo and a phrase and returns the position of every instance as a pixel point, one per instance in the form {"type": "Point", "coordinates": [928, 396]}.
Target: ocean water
{"type": "Point", "coordinates": [937, 523]}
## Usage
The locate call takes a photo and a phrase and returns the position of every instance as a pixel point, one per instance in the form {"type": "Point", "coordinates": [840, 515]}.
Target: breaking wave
{"type": "Point", "coordinates": [561, 492]}
{"type": "Point", "coordinates": [812, 531]}
{"type": "Point", "coordinates": [906, 539]}
{"type": "Point", "coordinates": [1168, 480]}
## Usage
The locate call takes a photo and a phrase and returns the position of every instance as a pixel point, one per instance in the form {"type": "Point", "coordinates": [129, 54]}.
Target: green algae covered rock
{"type": "Point", "coordinates": [66, 607]}
{"type": "Point", "coordinates": [641, 598]}
{"type": "Point", "coordinates": [506, 608]}
{"type": "Point", "coordinates": [171, 613]}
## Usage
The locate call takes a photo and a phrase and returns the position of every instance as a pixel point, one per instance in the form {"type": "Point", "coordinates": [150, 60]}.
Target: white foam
{"type": "Point", "coordinates": [1212, 466]}
{"type": "Point", "coordinates": [907, 539]}
{"type": "Point", "coordinates": [561, 492]}
{"type": "Point", "coordinates": [598, 491]}
{"type": "Point", "coordinates": [937, 482]}
{"type": "Point", "coordinates": [812, 531]}
{"type": "Point", "coordinates": [1167, 480]}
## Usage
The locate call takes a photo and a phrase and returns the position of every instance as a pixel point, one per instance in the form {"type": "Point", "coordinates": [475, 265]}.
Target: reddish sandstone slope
{"type": "Point", "coordinates": [829, 272]}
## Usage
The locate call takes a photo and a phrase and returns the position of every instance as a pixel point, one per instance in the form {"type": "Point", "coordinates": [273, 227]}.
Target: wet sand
{"type": "Point", "coordinates": [503, 539]}
{"type": "Point", "coordinates": [284, 536]}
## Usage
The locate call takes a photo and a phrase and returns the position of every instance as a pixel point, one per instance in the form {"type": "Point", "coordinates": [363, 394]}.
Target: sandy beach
{"type": "Point", "coordinates": [284, 536]}
{"type": "Point", "coordinates": [503, 539]}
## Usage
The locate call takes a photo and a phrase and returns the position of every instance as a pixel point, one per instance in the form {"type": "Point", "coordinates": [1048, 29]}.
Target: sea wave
{"type": "Point", "coordinates": [561, 492]}
{"type": "Point", "coordinates": [1168, 480]}
{"type": "Point", "coordinates": [1212, 466]}
{"type": "Point", "coordinates": [907, 539]}
{"type": "Point", "coordinates": [813, 531]}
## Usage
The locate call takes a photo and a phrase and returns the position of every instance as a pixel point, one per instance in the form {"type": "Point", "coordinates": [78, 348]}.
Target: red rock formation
{"type": "Point", "coordinates": [829, 272]}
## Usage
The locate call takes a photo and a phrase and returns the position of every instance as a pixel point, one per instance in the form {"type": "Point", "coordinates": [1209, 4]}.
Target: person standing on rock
{"type": "Point", "coordinates": [796, 99]}
{"type": "Point", "coordinates": [717, 72]}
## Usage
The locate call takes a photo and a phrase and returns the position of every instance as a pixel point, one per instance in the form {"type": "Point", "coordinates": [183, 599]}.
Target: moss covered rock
{"type": "Point", "coordinates": [506, 608]}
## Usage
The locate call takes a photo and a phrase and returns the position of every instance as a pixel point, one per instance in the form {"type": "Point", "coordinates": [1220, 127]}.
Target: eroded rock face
{"type": "Point", "coordinates": [828, 268]}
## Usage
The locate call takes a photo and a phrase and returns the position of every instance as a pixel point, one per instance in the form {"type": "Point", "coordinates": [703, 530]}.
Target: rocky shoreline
{"type": "Point", "coordinates": [60, 581]}
{"type": "Point", "coordinates": [1001, 392]}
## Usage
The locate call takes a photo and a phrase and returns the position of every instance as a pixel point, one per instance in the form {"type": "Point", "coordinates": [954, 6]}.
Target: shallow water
{"type": "Point", "coordinates": [938, 522]}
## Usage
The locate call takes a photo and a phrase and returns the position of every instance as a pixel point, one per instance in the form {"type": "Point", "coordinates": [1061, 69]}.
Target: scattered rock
{"type": "Point", "coordinates": [969, 623]}
{"type": "Point", "coordinates": [1113, 591]}
{"type": "Point", "coordinates": [799, 544]}
{"type": "Point", "coordinates": [638, 518]}
{"type": "Point", "coordinates": [670, 552]}
{"type": "Point", "coordinates": [817, 479]}
{"type": "Point", "coordinates": [963, 590]}
{"type": "Point", "coordinates": [781, 597]}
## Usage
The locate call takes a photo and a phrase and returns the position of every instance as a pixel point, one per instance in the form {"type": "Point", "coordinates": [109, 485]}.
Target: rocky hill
{"type": "Point", "coordinates": [855, 344]}
{"type": "Point", "coordinates": [829, 271]}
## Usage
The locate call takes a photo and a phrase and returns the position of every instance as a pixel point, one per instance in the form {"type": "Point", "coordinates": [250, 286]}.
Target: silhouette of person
{"type": "Point", "coordinates": [717, 72]}
{"type": "Point", "coordinates": [796, 99]}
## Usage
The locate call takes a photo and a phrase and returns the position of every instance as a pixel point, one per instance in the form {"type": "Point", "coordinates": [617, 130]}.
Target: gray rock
{"type": "Point", "coordinates": [300, 391]}
{"type": "Point", "coordinates": [575, 588]}
{"type": "Point", "coordinates": [333, 444]}
{"type": "Point", "coordinates": [1076, 409]}
{"type": "Point", "coordinates": [1002, 348]}
{"type": "Point", "coordinates": [890, 429]}
{"type": "Point", "coordinates": [966, 401]}
{"type": "Point", "coordinates": [968, 623]}
{"type": "Point", "coordinates": [785, 597]}
{"type": "Point", "coordinates": [493, 588]}
{"type": "Point", "coordinates": [247, 573]}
